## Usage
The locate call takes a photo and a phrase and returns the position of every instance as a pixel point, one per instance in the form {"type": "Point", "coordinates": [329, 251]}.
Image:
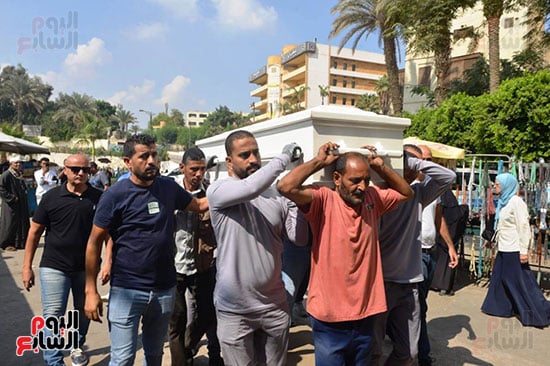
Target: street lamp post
{"type": "Point", "coordinates": [150, 117]}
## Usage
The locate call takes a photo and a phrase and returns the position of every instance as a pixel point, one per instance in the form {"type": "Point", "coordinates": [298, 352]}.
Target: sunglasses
{"type": "Point", "coordinates": [77, 169]}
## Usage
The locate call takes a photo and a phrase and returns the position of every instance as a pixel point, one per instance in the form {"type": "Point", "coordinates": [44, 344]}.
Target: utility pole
{"type": "Point", "coordinates": [150, 117]}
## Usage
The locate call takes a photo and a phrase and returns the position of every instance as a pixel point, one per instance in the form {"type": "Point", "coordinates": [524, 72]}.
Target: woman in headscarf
{"type": "Point", "coordinates": [513, 290]}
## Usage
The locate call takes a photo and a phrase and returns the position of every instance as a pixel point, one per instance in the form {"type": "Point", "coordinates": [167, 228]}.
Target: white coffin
{"type": "Point", "coordinates": [348, 126]}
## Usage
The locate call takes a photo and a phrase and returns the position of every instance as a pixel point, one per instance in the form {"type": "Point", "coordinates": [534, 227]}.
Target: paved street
{"type": "Point", "coordinates": [460, 334]}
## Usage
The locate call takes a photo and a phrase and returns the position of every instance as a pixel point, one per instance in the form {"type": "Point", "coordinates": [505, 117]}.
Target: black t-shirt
{"type": "Point", "coordinates": [68, 219]}
{"type": "Point", "coordinates": [141, 223]}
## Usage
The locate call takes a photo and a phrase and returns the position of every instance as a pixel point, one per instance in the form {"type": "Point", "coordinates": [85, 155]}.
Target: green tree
{"type": "Point", "coordinates": [71, 110]}
{"type": "Point", "coordinates": [538, 34]}
{"type": "Point", "coordinates": [368, 102]}
{"type": "Point", "coordinates": [24, 93]}
{"type": "Point", "coordinates": [382, 89]}
{"type": "Point", "coordinates": [123, 118]}
{"type": "Point", "coordinates": [294, 101]}
{"type": "Point", "coordinates": [428, 32]}
{"type": "Point", "coordinates": [475, 80]}
{"type": "Point", "coordinates": [515, 119]}
{"type": "Point", "coordinates": [365, 17]}
{"type": "Point", "coordinates": [161, 117]}
{"type": "Point", "coordinates": [223, 117]}
{"type": "Point", "coordinates": [324, 92]}
{"type": "Point", "coordinates": [106, 111]}
{"type": "Point", "coordinates": [94, 129]}
{"type": "Point", "coordinates": [177, 117]}
{"type": "Point", "coordinates": [167, 134]}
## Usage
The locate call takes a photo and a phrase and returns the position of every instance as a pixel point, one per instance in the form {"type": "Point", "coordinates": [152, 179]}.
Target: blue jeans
{"type": "Point", "coordinates": [126, 308]}
{"type": "Point", "coordinates": [296, 266]}
{"type": "Point", "coordinates": [343, 343]}
{"type": "Point", "coordinates": [429, 262]}
{"type": "Point", "coordinates": [54, 291]}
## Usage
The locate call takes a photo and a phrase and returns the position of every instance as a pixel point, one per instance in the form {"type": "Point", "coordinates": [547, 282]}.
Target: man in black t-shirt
{"type": "Point", "coordinates": [66, 212]}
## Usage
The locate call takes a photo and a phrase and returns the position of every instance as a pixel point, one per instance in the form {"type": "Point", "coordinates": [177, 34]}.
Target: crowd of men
{"type": "Point", "coordinates": [187, 258]}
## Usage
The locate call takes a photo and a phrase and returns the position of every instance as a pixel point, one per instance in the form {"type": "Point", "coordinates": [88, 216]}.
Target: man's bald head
{"type": "Point", "coordinates": [426, 152]}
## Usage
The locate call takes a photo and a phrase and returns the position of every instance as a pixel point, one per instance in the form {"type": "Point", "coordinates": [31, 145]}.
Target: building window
{"type": "Point", "coordinates": [345, 66]}
{"type": "Point", "coordinates": [352, 101]}
{"type": "Point", "coordinates": [424, 76]}
{"type": "Point", "coordinates": [508, 22]}
{"type": "Point", "coordinates": [333, 100]}
{"type": "Point", "coordinates": [334, 82]}
{"type": "Point", "coordinates": [353, 67]}
{"type": "Point", "coordinates": [192, 123]}
{"type": "Point", "coordinates": [203, 115]}
{"type": "Point", "coordinates": [344, 83]}
{"type": "Point", "coordinates": [344, 100]}
{"type": "Point", "coordinates": [192, 115]}
{"type": "Point", "coordinates": [353, 84]}
{"type": "Point", "coordinates": [335, 64]}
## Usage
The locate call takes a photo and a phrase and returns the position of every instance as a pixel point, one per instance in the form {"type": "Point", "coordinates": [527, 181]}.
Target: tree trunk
{"type": "Point", "coordinates": [493, 24]}
{"type": "Point", "coordinates": [393, 75]}
{"type": "Point", "coordinates": [442, 63]}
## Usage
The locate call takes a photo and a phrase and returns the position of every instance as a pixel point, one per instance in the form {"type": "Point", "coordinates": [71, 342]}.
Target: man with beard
{"type": "Point", "coordinates": [14, 209]}
{"type": "Point", "coordinates": [67, 213]}
{"type": "Point", "coordinates": [250, 219]}
{"type": "Point", "coordinates": [401, 252]}
{"type": "Point", "coordinates": [346, 289]}
{"type": "Point", "coordinates": [138, 213]}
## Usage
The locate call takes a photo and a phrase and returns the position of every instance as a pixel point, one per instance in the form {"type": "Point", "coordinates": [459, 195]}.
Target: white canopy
{"type": "Point", "coordinates": [14, 144]}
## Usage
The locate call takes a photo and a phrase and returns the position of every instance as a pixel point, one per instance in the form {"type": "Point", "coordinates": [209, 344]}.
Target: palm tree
{"type": "Point", "coordinates": [382, 89]}
{"type": "Point", "coordinates": [124, 118]}
{"type": "Point", "coordinates": [294, 101]}
{"type": "Point", "coordinates": [134, 128]}
{"type": "Point", "coordinates": [23, 91]}
{"type": "Point", "coordinates": [369, 102]}
{"type": "Point", "coordinates": [428, 32]}
{"type": "Point", "coordinates": [94, 129]}
{"type": "Point", "coordinates": [493, 10]}
{"type": "Point", "coordinates": [363, 18]}
{"type": "Point", "coordinates": [324, 91]}
{"type": "Point", "coordinates": [72, 109]}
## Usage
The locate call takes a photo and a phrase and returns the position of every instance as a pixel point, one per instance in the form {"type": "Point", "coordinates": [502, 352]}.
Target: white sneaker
{"type": "Point", "coordinates": [79, 358]}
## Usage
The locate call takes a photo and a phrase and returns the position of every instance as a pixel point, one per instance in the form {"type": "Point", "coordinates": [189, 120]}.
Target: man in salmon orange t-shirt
{"type": "Point", "coordinates": [346, 288]}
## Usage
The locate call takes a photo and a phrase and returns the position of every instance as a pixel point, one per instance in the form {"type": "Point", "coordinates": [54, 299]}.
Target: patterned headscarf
{"type": "Point", "coordinates": [508, 189]}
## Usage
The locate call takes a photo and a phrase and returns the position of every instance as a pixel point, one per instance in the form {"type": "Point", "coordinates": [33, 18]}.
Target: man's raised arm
{"type": "Point", "coordinates": [291, 184]}
{"type": "Point", "coordinates": [394, 180]}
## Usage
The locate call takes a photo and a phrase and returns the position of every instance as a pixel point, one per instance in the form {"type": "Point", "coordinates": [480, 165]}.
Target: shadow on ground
{"type": "Point", "coordinates": [16, 317]}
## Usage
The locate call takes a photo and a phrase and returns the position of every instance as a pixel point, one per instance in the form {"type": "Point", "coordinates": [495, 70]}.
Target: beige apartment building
{"type": "Point", "coordinates": [419, 70]}
{"type": "Point", "coordinates": [195, 118]}
{"type": "Point", "coordinates": [293, 80]}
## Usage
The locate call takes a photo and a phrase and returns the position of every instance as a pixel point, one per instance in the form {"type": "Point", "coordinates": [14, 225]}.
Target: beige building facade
{"type": "Point", "coordinates": [293, 80]}
{"type": "Point", "coordinates": [419, 70]}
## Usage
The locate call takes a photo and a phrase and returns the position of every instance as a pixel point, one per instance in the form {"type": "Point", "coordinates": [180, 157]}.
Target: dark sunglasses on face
{"type": "Point", "coordinates": [77, 169]}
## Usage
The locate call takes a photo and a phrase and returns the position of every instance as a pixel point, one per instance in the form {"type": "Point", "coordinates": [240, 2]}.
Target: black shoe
{"type": "Point", "coordinates": [429, 361]}
{"type": "Point", "coordinates": [215, 361]}
{"type": "Point", "coordinates": [446, 293]}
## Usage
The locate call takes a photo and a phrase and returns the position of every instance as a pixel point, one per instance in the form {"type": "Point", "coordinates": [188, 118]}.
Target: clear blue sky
{"type": "Point", "coordinates": [191, 54]}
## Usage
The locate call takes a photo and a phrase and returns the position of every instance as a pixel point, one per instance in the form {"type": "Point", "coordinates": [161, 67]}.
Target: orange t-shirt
{"type": "Point", "coordinates": [346, 280]}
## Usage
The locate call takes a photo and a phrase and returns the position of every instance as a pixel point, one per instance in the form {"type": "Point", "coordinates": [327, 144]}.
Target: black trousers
{"type": "Point", "coordinates": [186, 332]}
